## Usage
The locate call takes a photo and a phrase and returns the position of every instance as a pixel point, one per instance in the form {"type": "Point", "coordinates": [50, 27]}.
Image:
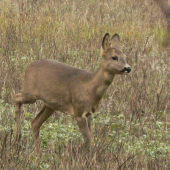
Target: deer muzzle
{"type": "Point", "coordinates": [126, 70]}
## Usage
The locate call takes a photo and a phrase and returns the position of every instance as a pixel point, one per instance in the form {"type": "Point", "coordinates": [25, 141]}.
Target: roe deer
{"type": "Point", "coordinates": [70, 90]}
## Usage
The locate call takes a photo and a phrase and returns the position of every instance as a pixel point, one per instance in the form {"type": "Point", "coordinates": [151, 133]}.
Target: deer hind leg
{"type": "Point", "coordinates": [83, 125]}
{"type": "Point", "coordinates": [17, 119]}
{"type": "Point", "coordinates": [43, 115]}
{"type": "Point", "coordinates": [20, 99]}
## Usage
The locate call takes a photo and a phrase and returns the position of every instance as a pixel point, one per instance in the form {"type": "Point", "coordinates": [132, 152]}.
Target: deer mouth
{"type": "Point", "coordinates": [126, 70]}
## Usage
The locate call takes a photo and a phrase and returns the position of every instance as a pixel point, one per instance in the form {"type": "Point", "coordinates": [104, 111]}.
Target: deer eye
{"type": "Point", "coordinates": [115, 58]}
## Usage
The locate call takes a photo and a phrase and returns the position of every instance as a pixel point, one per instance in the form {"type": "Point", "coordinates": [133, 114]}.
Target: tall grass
{"type": "Point", "coordinates": [132, 126]}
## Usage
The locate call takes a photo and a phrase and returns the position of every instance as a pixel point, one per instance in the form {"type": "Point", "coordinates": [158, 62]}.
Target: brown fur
{"type": "Point", "coordinates": [68, 89]}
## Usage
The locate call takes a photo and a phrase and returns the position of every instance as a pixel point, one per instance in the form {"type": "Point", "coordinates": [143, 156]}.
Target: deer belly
{"type": "Point", "coordinates": [65, 108]}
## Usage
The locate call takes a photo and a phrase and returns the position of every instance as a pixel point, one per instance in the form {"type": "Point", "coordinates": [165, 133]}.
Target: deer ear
{"type": "Point", "coordinates": [115, 41]}
{"type": "Point", "coordinates": [106, 42]}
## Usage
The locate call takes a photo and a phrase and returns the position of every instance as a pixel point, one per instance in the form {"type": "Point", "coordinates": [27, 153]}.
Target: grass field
{"type": "Point", "coordinates": [132, 125]}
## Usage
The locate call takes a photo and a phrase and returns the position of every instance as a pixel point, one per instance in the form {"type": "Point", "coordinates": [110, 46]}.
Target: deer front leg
{"type": "Point", "coordinates": [89, 120]}
{"type": "Point", "coordinates": [82, 123]}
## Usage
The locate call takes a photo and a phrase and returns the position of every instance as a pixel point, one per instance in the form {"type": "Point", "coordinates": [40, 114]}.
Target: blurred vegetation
{"type": "Point", "coordinates": [132, 126]}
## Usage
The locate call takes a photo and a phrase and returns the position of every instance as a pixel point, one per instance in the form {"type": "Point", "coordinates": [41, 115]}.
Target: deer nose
{"type": "Point", "coordinates": [128, 69]}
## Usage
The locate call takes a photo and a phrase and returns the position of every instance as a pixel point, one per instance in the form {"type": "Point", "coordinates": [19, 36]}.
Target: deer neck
{"type": "Point", "coordinates": [101, 81]}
